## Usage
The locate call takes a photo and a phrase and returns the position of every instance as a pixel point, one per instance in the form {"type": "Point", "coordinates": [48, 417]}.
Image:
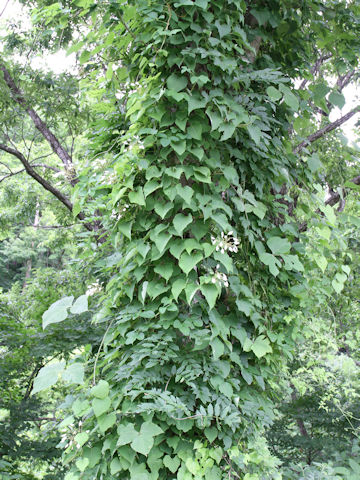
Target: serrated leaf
{"type": "Point", "coordinates": [80, 305]}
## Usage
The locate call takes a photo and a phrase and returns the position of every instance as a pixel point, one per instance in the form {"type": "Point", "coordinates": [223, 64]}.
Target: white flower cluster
{"type": "Point", "coordinates": [108, 178]}
{"type": "Point", "coordinates": [93, 288]}
{"type": "Point", "coordinates": [116, 215]}
{"type": "Point", "coordinates": [226, 242]}
{"type": "Point", "coordinates": [219, 277]}
{"type": "Point", "coordinates": [133, 142]}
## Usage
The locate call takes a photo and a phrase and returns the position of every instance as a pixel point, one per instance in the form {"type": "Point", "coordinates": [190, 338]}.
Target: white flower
{"type": "Point", "coordinates": [226, 242]}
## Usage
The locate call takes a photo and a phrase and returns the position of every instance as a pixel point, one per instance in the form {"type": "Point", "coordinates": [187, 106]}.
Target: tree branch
{"type": "Point", "coordinates": [54, 143]}
{"type": "Point", "coordinates": [328, 128]}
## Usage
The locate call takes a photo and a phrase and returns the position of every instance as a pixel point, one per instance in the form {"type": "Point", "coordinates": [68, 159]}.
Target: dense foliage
{"type": "Point", "coordinates": [202, 323]}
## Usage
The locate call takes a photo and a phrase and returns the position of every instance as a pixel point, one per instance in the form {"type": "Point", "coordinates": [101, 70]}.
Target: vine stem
{"type": "Point", "coordinates": [99, 350]}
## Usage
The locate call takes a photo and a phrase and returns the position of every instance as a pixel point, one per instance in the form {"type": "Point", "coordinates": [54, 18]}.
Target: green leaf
{"type": "Point", "coordinates": [273, 93]}
{"type": "Point", "coordinates": [271, 262]}
{"type": "Point", "coordinates": [188, 262]}
{"type": "Point", "coordinates": [81, 438]}
{"type": "Point", "coordinates": [126, 434]}
{"type": "Point", "coordinates": [185, 192]}
{"type": "Point", "coordinates": [217, 347]}
{"type": "Point", "coordinates": [210, 292]}
{"type": "Point", "coordinates": [163, 208]}
{"type": "Point", "coordinates": [106, 421]}
{"type": "Point", "coordinates": [177, 287]}
{"type": "Point", "coordinates": [337, 99]}
{"type": "Point", "coordinates": [196, 101]}
{"type": "Point", "coordinates": [74, 373]}
{"type": "Point", "coordinates": [101, 405]}
{"type": "Point", "coordinates": [195, 129]}
{"type": "Point", "coordinates": [101, 390]}
{"type": "Point", "coordinates": [57, 312]}
{"type": "Point", "coordinates": [278, 245]}
{"type": "Point", "coordinates": [179, 146]}
{"type": "Point", "coordinates": [211, 433]}
{"type": "Point", "coordinates": [181, 221]}
{"type": "Point", "coordinates": [115, 466]}
{"type": "Point", "coordinates": [47, 376]}
{"type": "Point", "coordinates": [171, 463]}
{"type": "Point", "coordinates": [255, 133]}
{"type": "Point", "coordinates": [161, 240]}
{"type": "Point", "coordinates": [142, 444]}
{"type": "Point", "coordinates": [177, 82]}
{"type": "Point", "coordinates": [223, 28]}
{"type": "Point", "coordinates": [165, 270]}
{"type": "Point", "coordinates": [137, 197]}
{"type": "Point", "coordinates": [82, 463]}
{"type": "Point", "coordinates": [80, 305]}
{"type": "Point", "coordinates": [261, 346]}
{"type": "Point", "coordinates": [125, 228]}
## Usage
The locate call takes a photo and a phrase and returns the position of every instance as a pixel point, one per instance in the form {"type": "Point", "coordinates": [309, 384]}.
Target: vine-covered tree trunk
{"type": "Point", "coordinates": [198, 302]}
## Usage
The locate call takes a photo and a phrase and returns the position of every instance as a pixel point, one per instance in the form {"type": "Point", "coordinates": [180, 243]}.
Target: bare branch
{"type": "Point", "coordinates": [56, 147]}
{"type": "Point", "coordinates": [314, 70]}
{"type": "Point", "coordinates": [328, 128]}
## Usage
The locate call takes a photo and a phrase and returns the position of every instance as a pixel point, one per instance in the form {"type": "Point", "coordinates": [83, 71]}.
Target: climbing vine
{"type": "Point", "coordinates": [206, 255]}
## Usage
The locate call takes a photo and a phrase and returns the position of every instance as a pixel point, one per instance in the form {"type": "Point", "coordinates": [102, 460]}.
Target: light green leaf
{"type": "Point", "coordinates": [210, 292]}
{"type": "Point", "coordinates": [163, 208]}
{"type": "Point", "coordinates": [261, 346]}
{"type": "Point", "coordinates": [142, 444]}
{"type": "Point", "coordinates": [137, 197]}
{"type": "Point", "coordinates": [187, 262]}
{"type": "Point", "coordinates": [271, 262]}
{"type": "Point", "coordinates": [185, 192]}
{"type": "Point", "coordinates": [196, 101]}
{"type": "Point", "coordinates": [165, 270]}
{"type": "Point", "coordinates": [179, 146]}
{"type": "Point", "coordinates": [126, 434]}
{"type": "Point", "coordinates": [217, 347]}
{"type": "Point", "coordinates": [101, 390]}
{"type": "Point", "coordinates": [161, 240]}
{"type": "Point", "coordinates": [82, 463]}
{"type": "Point", "coordinates": [57, 312]}
{"type": "Point", "coordinates": [125, 228]}
{"type": "Point", "coordinates": [211, 433]}
{"type": "Point", "coordinates": [177, 82]}
{"type": "Point", "coordinates": [80, 305]}
{"type": "Point", "coordinates": [177, 287]}
{"type": "Point", "coordinates": [47, 376]}
{"type": "Point", "coordinates": [279, 245]}
{"type": "Point", "coordinates": [74, 373]}
{"type": "Point", "coordinates": [115, 466]}
{"type": "Point", "coordinates": [337, 99]}
{"type": "Point", "coordinates": [81, 438]}
{"type": "Point", "coordinates": [151, 429]}
{"type": "Point", "coordinates": [101, 405]}
{"type": "Point", "coordinates": [273, 93]}
{"type": "Point", "coordinates": [171, 463]}
{"type": "Point", "coordinates": [106, 421]}
{"type": "Point", "coordinates": [181, 221]}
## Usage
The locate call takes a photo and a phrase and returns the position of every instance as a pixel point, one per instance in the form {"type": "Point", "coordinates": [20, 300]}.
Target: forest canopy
{"type": "Point", "coordinates": [178, 234]}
